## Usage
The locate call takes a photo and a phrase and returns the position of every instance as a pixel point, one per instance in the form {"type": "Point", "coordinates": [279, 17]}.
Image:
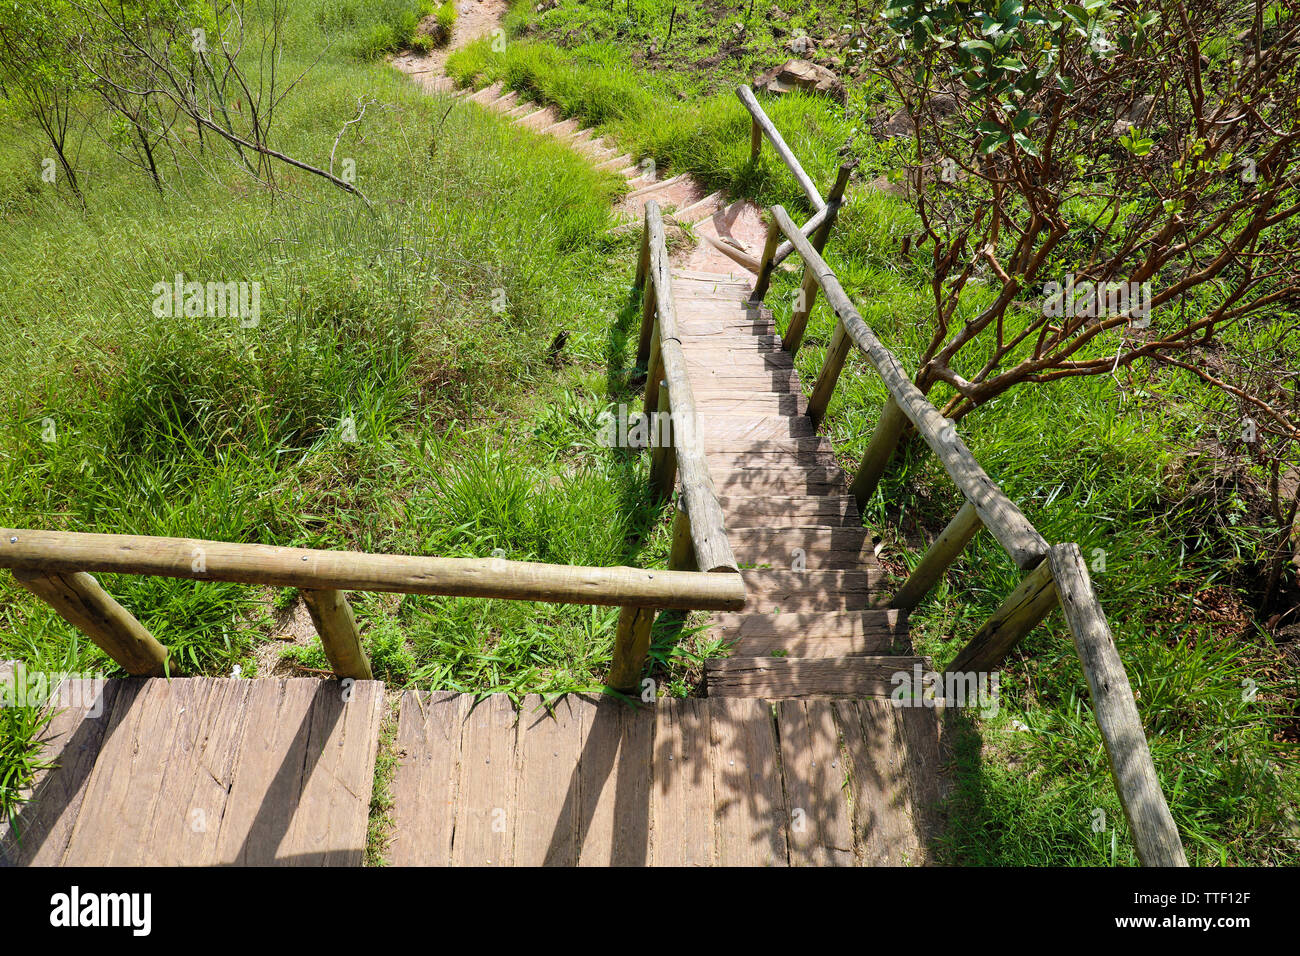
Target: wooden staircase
{"type": "Point", "coordinates": [809, 629]}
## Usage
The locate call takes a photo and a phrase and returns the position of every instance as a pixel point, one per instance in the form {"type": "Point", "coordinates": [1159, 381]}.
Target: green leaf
{"type": "Point", "coordinates": [990, 143]}
{"type": "Point", "coordinates": [1027, 144]}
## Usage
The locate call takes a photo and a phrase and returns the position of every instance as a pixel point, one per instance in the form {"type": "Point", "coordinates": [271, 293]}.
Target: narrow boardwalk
{"type": "Point", "coordinates": [204, 772]}
{"type": "Point", "coordinates": [695, 782]}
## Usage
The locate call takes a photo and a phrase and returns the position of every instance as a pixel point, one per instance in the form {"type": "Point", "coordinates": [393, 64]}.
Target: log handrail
{"type": "Point", "coordinates": [1055, 575]}
{"type": "Point", "coordinates": [661, 348]}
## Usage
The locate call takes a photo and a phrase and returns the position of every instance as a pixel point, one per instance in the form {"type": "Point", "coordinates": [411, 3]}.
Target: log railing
{"type": "Point", "coordinates": [699, 531]}
{"type": "Point", "coordinates": [57, 566]}
{"type": "Point", "coordinates": [1053, 574]}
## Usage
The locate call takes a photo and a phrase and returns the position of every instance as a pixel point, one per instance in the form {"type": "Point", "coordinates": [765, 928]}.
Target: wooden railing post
{"type": "Point", "coordinates": [643, 260]}
{"type": "Point", "coordinates": [682, 556]}
{"type": "Point", "coordinates": [337, 627]}
{"type": "Point", "coordinates": [663, 455]}
{"type": "Point", "coordinates": [836, 353]}
{"type": "Point", "coordinates": [766, 265]}
{"type": "Point", "coordinates": [654, 371]}
{"type": "Point", "coordinates": [951, 542]}
{"type": "Point", "coordinates": [631, 647]}
{"type": "Point", "coordinates": [649, 311]}
{"type": "Point", "coordinates": [79, 600]}
{"type": "Point", "coordinates": [884, 441]}
{"type": "Point", "coordinates": [1026, 606]}
{"type": "Point", "coordinates": [755, 139]}
{"type": "Point", "coordinates": [803, 307]}
{"type": "Point", "coordinates": [1154, 833]}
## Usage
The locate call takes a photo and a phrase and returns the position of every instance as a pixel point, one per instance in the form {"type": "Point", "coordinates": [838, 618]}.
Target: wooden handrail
{"type": "Point", "coordinates": [65, 552]}
{"type": "Point", "coordinates": [764, 126]}
{"type": "Point", "coordinates": [1055, 575]}
{"type": "Point", "coordinates": [708, 524]}
{"type": "Point", "coordinates": [997, 512]}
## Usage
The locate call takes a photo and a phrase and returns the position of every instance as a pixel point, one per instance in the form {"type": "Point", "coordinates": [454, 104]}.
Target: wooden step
{"type": "Point", "coordinates": [733, 403]}
{"type": "Point", "coordinates": [703, 208]}
{"type": "Point", "coordinates": [822, 548]}
{"type": "Point", "coordinates": [787, 481]}
{"type": "Point", "coordinates": [752, 453]}
{"type": "Point", "coordinates": [845, 633]}
{"type": "Point", "coordinates": [506, 102]}
{"type": "Point", "coordinates": [488, 93]}
{"type": "Point", "coordinates": [751, 428]}
{"type": "Point", "coordinates": [544, 117]}
{"type": "Point", "coordinates": [560, 128]}
{"type": "Point", "coordinates": [615, 163]}
{"type": "Point", "coordinates": [807, 677]}
{"type": "Point", "coordinates": [760, 511]}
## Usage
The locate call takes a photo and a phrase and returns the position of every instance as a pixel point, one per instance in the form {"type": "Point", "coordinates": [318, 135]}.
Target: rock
{"type": "Point", "coordinates": [1135, 115]}
{"type": "Point", "coordinates": [942, 105]}
{"type": "Point", "coordinates": [802, 75]}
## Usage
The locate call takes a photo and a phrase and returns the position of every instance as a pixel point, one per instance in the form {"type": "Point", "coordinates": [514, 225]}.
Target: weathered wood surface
{"type": "Point", "coordinates": [1021, 611]}
{"type": "Point", "coordinates": [205, 772]}
{"type": "Point", "coordinates": [779, 145]}
{"type": "Point", "coordinates": [79, 600]}
{"type": "Point", "coordinates": [945, 549]}
{"type": "Point", "coordinates": [695, 782]}
{"type": "Point", "coordinates": [336, 626]}
{"type": "Point", "coordinates": [63, 552]}
{"type": "Point", "coordinates": [1154, 832]}
{"type": "Point", "coordinates": [807, 677]}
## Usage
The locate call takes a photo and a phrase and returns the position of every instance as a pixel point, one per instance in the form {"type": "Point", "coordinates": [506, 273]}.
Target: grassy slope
{"type": "Point", "coordinates": [1082, 464]}
{"type": "Point", "coordinates": [428, 325]}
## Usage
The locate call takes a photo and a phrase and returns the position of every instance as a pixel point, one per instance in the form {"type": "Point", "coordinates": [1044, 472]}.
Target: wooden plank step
{"type": "Point", "coordinates": [702, 209]}
{"type": "Point", "coordinates": [771, 581]}
{"type": "Point", "coordinates": [488, 93]}
{"type": "Point", "coordinates": [790, 481]}
{"type": "Point", "coordinates": [740, 428]}
{"type": "Point", "coordinates": [764, 510]}
{"type": "Point", "coordinates": [560, 128]}
{"type": "Point", "coordinates": [812, 633]}
{"type": "Point", "coordinates": [683, 799]}
{"type": "Point", "coordinates": [486, 807]}
{"type": "Point", "coordinates": [544, 117]}
{"type": "Point", "coordinates": [883, 818]}
{"type": "Point", "coordinates": [749, 811]}
{"type": "Point", "coordinates": [208, 771]}
{"type": "Point", "coordinates": [614, 782]}
{"type": "Point", "coordinates": [548, 824]}
{"type": "Point", "coordinates": [821, 831]}
{"type": "Point", "coordinates": [761, 403]}
{"type": "Point", "coordinates": [505, 102]}
{"type": "Point", "coordinates": [775, 380]}
{"type": "Point", "coordinates": [821, 548]}
{"type": "Point", "coordinates": [775, 678]}
{"type": "Point", "coordinates": [37, 833]}
{"type": "Point", "coordinates": [424, 783]}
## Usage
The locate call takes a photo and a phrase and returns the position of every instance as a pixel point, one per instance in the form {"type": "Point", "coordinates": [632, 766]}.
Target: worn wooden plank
{"type": "Point", "coordinates": [683, 805]}
{"type": "Point", "coordinates": [885, 832]}
{"type": "Point", "coordinates": [820, 828]}
{"type": "Point", "coordinates": [920, 732]}
{"type": "Point", "coordinates": [761, 510]}
{"type": "Point", "coordinates": [812, 633]}
{"type": "Point", "coordinates": [817, 548]}
{"type": "Point", "coordinates": [329, 825]}
{"type": "Point", "coordinates": [773, 585]}
{"type": "Point", "coordinates": [486, 811]}
{"type": "Point", "coordinates": [806, 677]}
{"type": "Point", "coordinates": [615, 784]}
{"type": "Point", "coordinates": [752, 428]}
{"type": "Point", "coordinates": [791, 481]}
{"type": "Point", "coordinates": [122, 795]}
{"type": "Point", "coordinates": [1021, 611]}
{"type": "Point", "coordinates": [945, 549]}
{"type": "Point", "coordinates": [550, 745]}
{"type": "Point", "coordinates": [268, 777]}
{"type": "Point", "coordinates": [426, 779]}
{"type": "Point", "coordinates": [38, 833]}
{"type": "Point", "coordinates": [750, 811]}
{"type": "Point", "coordinates": [336, 626]}
{"type": "Point", "coordinates": [185, 825]}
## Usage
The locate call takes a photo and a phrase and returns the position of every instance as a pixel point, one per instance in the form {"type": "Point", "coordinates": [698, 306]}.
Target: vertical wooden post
{"type": "Point", "coordinates": [682, 556]}
{"type": "Point", "coordinates": [649, 319]}
{"type": "Point", "coordinates": [1019, 614]}
{"type": "Point", "coordinates": [884, 441]}
{"type": "Point", "coordinates": [755, 139]}
{"type": "Point", "coordinates": [802, 309]}
{"type": "Point", "coordinates": [663, 457]}
{"type": "Point", "coordinates": [337, 627]}
{"type": "Point", "coordinates": [767, 263]}
{"type": "Point", "coordinates": [836, 353]}
{"type": "Point", "coordinates": [1154, 833]}
{"type": "Point", "coordinates": [833, 203]}
{"type": "Point", "coordinates": [654, 372]}
{"type": "Point", "coordinates": [79, 600]}
{"type": "Point", "coordinates": [631, 647]}
{"type": "Point", "coordinates": [951, 542]}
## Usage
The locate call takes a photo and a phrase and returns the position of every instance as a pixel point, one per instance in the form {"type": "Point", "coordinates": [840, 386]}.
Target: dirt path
{"type": "Point", "coordinates": [474, 19]}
